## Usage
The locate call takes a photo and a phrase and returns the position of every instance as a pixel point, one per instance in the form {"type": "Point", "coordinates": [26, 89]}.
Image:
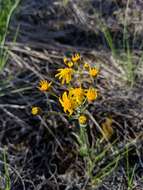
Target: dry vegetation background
{"type": "Point", "coordinates": [41, 153]}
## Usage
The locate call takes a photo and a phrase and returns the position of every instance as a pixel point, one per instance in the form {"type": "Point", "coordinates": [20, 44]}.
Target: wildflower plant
{"type": "Point", "coordinates": [78, 78]}
{"type": "Point", "coordinates": [78, 81]}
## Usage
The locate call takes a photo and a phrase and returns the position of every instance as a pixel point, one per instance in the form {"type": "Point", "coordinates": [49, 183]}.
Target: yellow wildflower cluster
{"type": "Point", "coordinates": [69, 61]}
{"type": "Point", "coordinates": [78, 77]}
{"type": "Point", "coordinates": [78, 93]}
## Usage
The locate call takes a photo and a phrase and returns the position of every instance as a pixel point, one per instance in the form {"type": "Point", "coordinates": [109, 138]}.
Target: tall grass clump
{"type": "Point", "coordinates": [7, 8]}
{"type": "Point", "coordinates": [123, 57]}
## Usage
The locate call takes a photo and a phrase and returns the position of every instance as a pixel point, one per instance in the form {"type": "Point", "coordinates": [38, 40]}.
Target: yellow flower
{"type": "Point", "coordinates": [77, 94]}
{"type": "Point", "coordinates": [36, 110]}
{"type": "Point", "coordinates": [86, 66]}
{"type": "Point", "coordinates": [93, 72]}
{"type": "Point", "coordinates": [65, 75]}
{"type": "Point", "coordinates": [76, 57]}
{"type": "Point", "coordinates": [67, 103]}
{"type": "Point", "coordinates": [65, 60]}
{"type": "Point", "coordinates": [68, 62]}
{"type": "Point", "coordinates": [44, 85]}
{"type": "Point", "coordinates": [82, 120]}
{"type": "Point", "coordinates": [91, 94]}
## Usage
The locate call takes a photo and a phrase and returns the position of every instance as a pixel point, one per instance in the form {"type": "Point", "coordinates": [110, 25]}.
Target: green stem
{"type": "Point", "coordinates": [84, 143]}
